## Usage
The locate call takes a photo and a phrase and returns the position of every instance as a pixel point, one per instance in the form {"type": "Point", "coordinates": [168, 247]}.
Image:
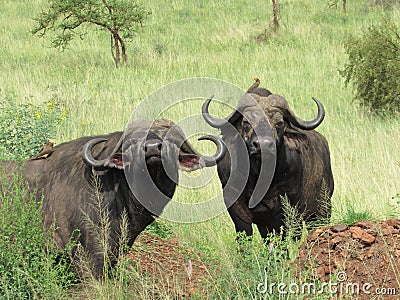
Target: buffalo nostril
{"type": "Point", "coordinates": [159, 147]}
{"type": "Point", "coordinates": [256, 145]}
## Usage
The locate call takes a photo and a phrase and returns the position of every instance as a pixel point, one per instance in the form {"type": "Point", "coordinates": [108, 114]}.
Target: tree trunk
{"type": "Point", "coordinates": [118, 48]}
{"type": "Point", "coordinates": [275, 10]}
{"type": "Point", "coordinates": [117, 56]}
{"type": "Point", "coordinates": [123, 48]}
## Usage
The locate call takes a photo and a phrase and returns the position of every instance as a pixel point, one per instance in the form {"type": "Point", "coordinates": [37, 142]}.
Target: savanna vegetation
{"type": "Point", "coordinates": [47, 94]}
{"type": "Point", "coordinates": [66, 20]}
{"type": "Point", "coordinates": [374, 67]}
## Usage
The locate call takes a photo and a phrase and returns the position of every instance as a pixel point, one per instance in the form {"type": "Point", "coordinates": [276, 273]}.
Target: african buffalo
{"type": "Point", "coordinates": [296, 157]}
{"type": "Point", "coordinates": [135, 171]}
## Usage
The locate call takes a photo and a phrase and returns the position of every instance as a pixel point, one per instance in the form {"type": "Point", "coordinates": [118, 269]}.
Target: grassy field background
{"type": "Point", "coordinates": [217, 39]}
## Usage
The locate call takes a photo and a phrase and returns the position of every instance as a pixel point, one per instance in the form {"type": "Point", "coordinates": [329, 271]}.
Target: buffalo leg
{"type": "Point", "coordinates": [241, 226]}
{"type": "Point", "coordinates": [275, 222]}
{"type": "Point", "coordinates": [262, 228]}
{"type": "Point", "coordinates": [241, 217]}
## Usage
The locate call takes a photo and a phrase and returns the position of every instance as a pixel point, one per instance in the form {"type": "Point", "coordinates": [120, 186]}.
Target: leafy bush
{"type": "Point", "coordinates": [31, 267]}
{"type": "Point", "coordinates": [25, 128]}
{"type": "Point", "coordinates": [374, 67]}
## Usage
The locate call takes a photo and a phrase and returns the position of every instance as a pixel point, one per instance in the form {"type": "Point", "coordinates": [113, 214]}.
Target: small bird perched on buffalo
{"type": "Point", "coordinates": [45, 152]}
{"type": "Point", "coordinates": [254, 89]}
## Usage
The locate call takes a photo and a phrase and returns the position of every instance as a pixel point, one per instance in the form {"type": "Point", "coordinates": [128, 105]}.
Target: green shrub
{"type": "Point", "coordinates": [31, 267]}
{"type": "Point", "coordinates": [25, 128]}
{"type": "Point", "coordinates": [374, 67]}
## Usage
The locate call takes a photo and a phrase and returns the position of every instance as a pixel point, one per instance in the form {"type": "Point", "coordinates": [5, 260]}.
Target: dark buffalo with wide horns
{"type": "Point", "coordinates": [287, 148]}
{"type": "Point", "coordinates": [120, 168]}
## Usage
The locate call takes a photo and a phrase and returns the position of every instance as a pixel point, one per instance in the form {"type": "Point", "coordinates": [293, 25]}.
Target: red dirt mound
{"type": "Point", "coordinates": [363, 259]}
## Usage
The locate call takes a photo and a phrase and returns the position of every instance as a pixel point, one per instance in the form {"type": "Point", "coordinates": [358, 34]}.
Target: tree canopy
{"type": "Point", "coordinates": [64, 20]}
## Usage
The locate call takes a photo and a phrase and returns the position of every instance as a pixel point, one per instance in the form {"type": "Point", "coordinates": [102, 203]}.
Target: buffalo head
{"type": "Point", "coordinates": [149, 139]}
{"type": "Point", "coordinates": [254, 112]}
{"type": "Point", "coordinates": [150, 153]}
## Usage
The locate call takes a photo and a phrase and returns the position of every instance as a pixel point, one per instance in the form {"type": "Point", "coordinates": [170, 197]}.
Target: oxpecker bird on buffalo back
{"type": "Point", "coordinates": [254, 85]}
{"type": "Point", "coordinates": [255, 89]}
{"type": "Point", "coordinates": [45, 152]}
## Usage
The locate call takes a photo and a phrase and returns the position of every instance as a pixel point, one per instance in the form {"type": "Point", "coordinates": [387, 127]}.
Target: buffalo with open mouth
{"type": "Point", "coordinates": [94, 179]}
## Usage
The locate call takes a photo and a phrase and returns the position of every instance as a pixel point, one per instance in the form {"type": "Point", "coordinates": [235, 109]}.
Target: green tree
{"type": "Point", "coordinates": [374, 67]}
{"type": "Point", "coordinates": [66, 19]}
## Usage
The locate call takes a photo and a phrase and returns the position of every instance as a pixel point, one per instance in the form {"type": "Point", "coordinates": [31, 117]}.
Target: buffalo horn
{"type": "Point", "coordinates": [209, 161]}
{"type": "Point", "coordinates": [88, 157]}
{"type": "Point", "coordinates": [213, 122]}
{"type": "Point", "coordinates": [307, 125]}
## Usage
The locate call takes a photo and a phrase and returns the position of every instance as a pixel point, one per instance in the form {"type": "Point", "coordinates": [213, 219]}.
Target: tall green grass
{"type": "Point", "coordinates": [31, 266]}
{"type": "Point", "coordinates": [184, 39]}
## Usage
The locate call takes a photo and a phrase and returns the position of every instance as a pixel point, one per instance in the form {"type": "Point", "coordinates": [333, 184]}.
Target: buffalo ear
{"type": "Point", "coordinates": [294, 138]}
{"type": "Point", "coordinates": [189, 162]}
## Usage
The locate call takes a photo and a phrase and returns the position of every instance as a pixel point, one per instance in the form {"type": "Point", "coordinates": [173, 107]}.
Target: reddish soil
{"type": "Point", "coordinates": [365, 255]}
{"type": "Point", "coordinates": [175, 269]}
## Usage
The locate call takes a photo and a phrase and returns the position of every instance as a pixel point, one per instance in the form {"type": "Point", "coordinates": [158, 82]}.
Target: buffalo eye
{"type": "Point", "coordinates": [279, 128]}
{"type": "Point", "coordinates": [246, 127]}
